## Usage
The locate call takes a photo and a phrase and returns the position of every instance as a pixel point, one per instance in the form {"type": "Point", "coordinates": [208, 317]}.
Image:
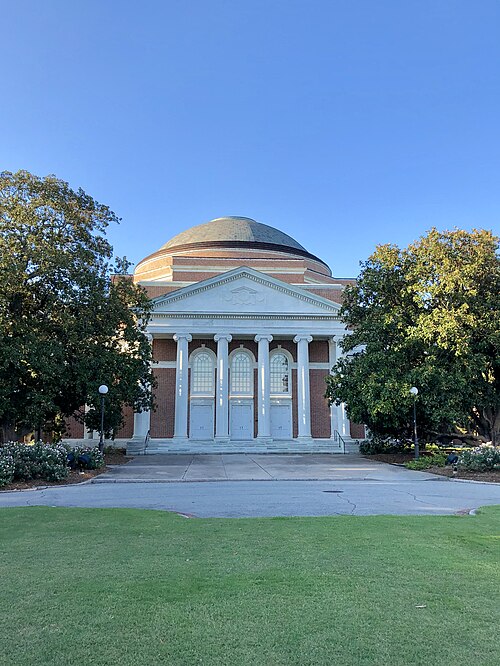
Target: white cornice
{"type": "Point", "coordinates": [231, 315]}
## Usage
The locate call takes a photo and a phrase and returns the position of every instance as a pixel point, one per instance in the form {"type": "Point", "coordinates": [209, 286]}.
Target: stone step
{"type": "Point", "coordinates": [210, 447]}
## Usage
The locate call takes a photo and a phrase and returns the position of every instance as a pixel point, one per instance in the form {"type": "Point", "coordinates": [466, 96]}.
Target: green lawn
{"type": "Point", "coordinates": [99, 586]}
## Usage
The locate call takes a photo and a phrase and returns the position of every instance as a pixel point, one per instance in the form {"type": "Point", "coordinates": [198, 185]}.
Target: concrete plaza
{"type": "Point", "coordinates": [255, 467]}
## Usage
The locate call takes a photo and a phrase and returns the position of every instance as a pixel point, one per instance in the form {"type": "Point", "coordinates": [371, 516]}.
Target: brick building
{"type": "Point", "coordinates": [245, 328]}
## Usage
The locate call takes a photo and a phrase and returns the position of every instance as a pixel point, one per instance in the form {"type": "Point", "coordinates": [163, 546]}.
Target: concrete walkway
{"type": "Point", "coordinates": [255, 467]}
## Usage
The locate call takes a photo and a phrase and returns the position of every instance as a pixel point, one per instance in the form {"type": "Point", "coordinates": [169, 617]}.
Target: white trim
{"type": "Point", "coordinates": [169, 365]}
{"type": "Point", "coordinates": [242, 350]}
{"type": "Point", "coordinates": [192, 357]}
{"type": "Point", "coordinates": [291, 364]}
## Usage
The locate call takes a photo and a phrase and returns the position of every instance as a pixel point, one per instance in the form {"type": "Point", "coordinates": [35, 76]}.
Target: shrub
{"type": "Point", "coordinates": [36, 461]}
{"type": "Point", "coordinates": [379, 445]}
{"type": "Point", "coordinates": [481, 459]}
{"type": "Point", "coordinates": [6, 469]}
{"type": "Point", "coordinates": [424, 462]}
{"type": "Point", "coordinates": [85, 457]}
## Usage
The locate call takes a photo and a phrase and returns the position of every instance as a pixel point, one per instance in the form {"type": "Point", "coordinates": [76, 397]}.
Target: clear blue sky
{"type": "Point", "coordinates": [344, 123]}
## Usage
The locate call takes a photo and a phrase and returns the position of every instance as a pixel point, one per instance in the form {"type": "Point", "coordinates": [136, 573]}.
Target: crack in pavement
{"type": "Point", "coordinates": [346, 499]}
{"type": "Point", "coordinates": [271, 477]}
{"type": "Point", "coordinates": [187, 468]}
{"type": "Point", "coordinates": [406, 492]}
{"type": "Point", "coordinates": [224, 467]}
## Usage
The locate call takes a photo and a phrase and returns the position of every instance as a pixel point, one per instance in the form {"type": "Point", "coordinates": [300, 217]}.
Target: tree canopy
{"type": "Point", "coordinates": [425, 316]}
{"type": "Point", "coordinates": [68, 323]}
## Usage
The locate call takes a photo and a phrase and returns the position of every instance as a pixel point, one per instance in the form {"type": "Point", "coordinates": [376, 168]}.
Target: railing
{"type": "Point", "coordinates": [146, 439]}
{"type": "Point", "coordinates": [338, 439]}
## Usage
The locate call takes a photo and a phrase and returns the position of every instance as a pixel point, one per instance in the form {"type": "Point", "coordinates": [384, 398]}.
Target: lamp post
{"type": "Point", "coordinates": [414, 393]}
{"type": "Point", "coordinates": [103, 389]}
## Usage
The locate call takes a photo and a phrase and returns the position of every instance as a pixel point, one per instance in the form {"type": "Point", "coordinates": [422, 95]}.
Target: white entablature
{"type": "Point", "coordinates": [245, 300]}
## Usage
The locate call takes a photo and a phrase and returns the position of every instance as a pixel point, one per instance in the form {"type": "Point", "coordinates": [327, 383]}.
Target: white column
{"type": "Point", "coordinates": [345, 424]}
{"type": "Point", "coordinates": [181, 385]}
{"type": "Point", "coordinates": [335, 410]}
{"type": "Point", "coordinates": [303, 394]}
{"type": "Point", "coordinates": [142, 420]}
{"type": "Point", "coordinates": [141, 424]}
{"type": "Point", "coordinates": [87, 434]}
{"type": "Point", "coordinates": [222, 394]}
{"type": "Point", "coordinates": [340, 420]}
{"type": "Point", "coordinates": [264, 396]}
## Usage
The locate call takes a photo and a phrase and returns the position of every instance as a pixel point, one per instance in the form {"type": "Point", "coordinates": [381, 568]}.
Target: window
{"type": "Point", "coordinates": [279, 374]}
{"type": "Point", "coordinates": [241, 374]}
{"type": "Point", "coordinates": [202, 369]}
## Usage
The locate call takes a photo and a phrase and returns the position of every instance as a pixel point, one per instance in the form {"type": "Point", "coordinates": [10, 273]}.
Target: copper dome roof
{"type": "Point", "coordinates": [233, 229]}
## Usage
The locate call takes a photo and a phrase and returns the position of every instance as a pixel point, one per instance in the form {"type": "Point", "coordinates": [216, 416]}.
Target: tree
{"type": "Point", "coordinates": [66, 324]}
{"type": "Point", "coordinates": [425, 316]}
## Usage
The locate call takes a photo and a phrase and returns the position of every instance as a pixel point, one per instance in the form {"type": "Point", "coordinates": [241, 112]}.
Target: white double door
{"type": "Point", "coordinates": [201, 419]}
{"type": "Point", "coordinates": [281, 419]}
{"type": "Point", "coordinates": [241, 419]}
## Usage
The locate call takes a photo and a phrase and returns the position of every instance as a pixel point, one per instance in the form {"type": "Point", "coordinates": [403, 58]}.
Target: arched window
{"type": "Point", "coordinates": [241, 374]}
{"type": "Point", "coordinates": [280, 374]}
{"type": "Point", "coordinates": [202, 374]}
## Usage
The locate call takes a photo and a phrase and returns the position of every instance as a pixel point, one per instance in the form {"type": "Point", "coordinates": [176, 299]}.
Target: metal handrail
{"type": "Point", "coordinates": [337, 437]}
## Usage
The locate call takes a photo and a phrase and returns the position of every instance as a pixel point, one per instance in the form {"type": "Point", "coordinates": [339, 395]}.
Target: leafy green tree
{"type": "Point", "coordinates": [67, 323]}
{"type": "Point", "coordinates": [425, 316]}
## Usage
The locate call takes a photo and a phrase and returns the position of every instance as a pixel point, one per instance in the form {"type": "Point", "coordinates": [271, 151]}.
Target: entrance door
{"type": "Point", "coordinates": [281, 420]}
{"type": "Point", "coordinates": [241, 420]}
{"type": "Point", "coordinates": [201, 422]}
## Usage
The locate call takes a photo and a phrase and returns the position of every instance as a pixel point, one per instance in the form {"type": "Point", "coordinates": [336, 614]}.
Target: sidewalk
{"type": "Point", "coordinates": [256, 467]}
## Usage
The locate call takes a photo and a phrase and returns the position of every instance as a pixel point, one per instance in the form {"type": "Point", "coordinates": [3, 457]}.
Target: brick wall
{"type": "Point", "coordinates": [318, 351]}
{"type": "Point", "coordinates": [164, 349]}
{"type": "Point", "coordinates": [196, 344]}
{"type": "Point", "coordinates": [127, 430]}
{"type": "Point", "coordinates": [320, 411]}
{"type": "Point", "coordinates": [295, 428]}
{"type": "Point", "coordinates": [153, 291]}
{"type": "Point", "coordinates": [334, 295]}
{"type": "Point", "coordinates": [357, 430]}
{"type": "Point", "coordinates": [289, 345]}
{"type": "Point", "coordinates": [162, 420]}
{"type": "Point", "coordinates": [249, 345]}
{"type": "Point", "coordinates": [74, 429]}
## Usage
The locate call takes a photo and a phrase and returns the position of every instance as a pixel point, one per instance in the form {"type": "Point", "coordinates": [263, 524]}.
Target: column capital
{"type": "Point", "coordinates": [183, 336]}
{"type": "Point", "coordinates": [223, 336]}
{"type": "Point", "coordinates": [259, 337]}
{"type": "Point", "coordinates": [302, 336]}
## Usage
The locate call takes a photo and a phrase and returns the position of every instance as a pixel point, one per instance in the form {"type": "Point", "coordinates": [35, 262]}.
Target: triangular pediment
{"type": "Point", "coordinates": [244, 290]}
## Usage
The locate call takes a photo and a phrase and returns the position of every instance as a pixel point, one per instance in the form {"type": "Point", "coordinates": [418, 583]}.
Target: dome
{"type": "Point", "coordinates": [233, 230]}
{"type": "Point", "coordinates": [240, 240]}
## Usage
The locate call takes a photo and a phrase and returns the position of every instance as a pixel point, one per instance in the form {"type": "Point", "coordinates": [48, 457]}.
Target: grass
{"type": "Point", "coordinates": [118, 586]}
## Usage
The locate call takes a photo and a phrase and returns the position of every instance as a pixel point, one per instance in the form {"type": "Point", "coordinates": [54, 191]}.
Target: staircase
{"type": "Point", "coordinates": [152, 446]}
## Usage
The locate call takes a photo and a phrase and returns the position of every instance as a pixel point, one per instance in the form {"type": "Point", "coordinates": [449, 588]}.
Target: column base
{"type": "Point", "coordinates": [222, 440]}
{"type": "Point", "coordinates": [304, 439]}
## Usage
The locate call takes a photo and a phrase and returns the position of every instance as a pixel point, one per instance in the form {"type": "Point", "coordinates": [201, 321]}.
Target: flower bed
{"type": "Point", "coordinates": [484, 458]}
{"type": "Point", "coordinates": [47, 462]}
